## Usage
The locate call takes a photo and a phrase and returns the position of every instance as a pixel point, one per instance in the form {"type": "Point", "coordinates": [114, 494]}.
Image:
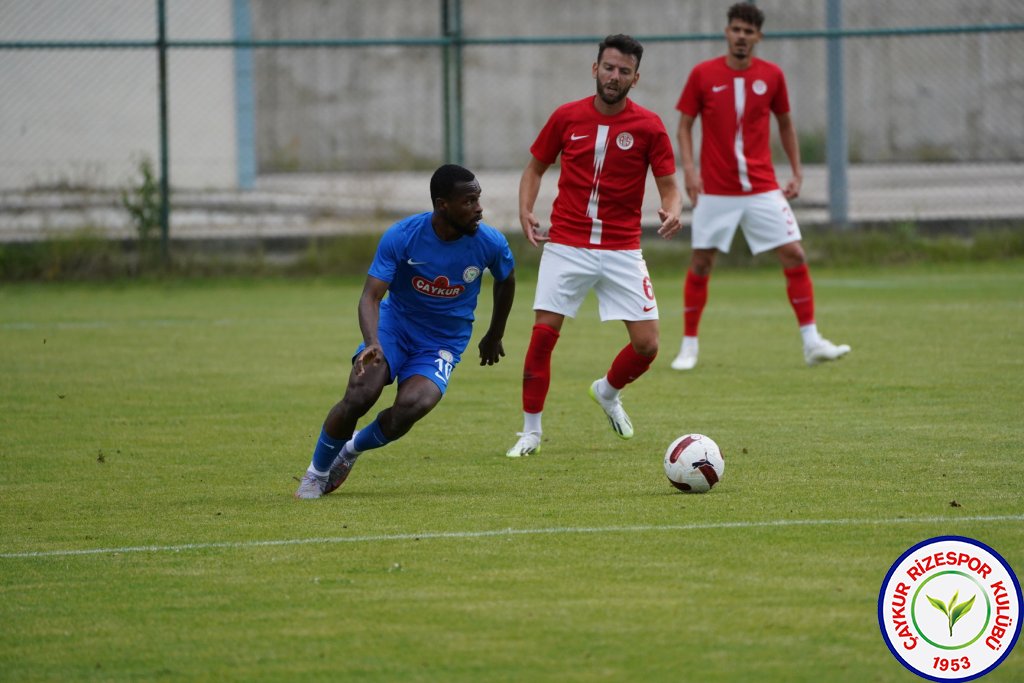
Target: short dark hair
{"type": "Point", "coordinates": [443, 182]}
{"type": "Point", "coordinates": [627, 45]}
{"type": "Point", "coordinates": [748, 12]}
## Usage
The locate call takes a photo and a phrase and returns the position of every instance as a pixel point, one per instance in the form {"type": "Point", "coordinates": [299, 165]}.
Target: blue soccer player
{"type": "Point", "coordinates": [430, 266]}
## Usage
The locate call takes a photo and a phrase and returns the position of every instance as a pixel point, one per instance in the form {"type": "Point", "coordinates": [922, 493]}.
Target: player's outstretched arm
{"type": "Point", "coordinates": [529, 188]}
{"type": "Point", "coordinates": [671, 205]}
{"type": "Point", "coordinates": [491, 348]}
{"type": "Point", "coordinates": [369, 317]}
{"type": "Point", "coordinates": [791, 146]}
{"type": "Point", "coordinates": [691, 178]}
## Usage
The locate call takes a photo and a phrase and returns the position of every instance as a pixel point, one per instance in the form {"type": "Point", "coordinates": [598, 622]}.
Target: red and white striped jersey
{"type": "Point", "coordinates": [604, 171]}
{"type": "Point", "coordinates": [734, 109]}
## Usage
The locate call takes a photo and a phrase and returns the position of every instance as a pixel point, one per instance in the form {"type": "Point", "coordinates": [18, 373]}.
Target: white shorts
{"type": "Point", "coordinates": [618, 278]}
{"type": "Point", "coordinates": [766, 219]}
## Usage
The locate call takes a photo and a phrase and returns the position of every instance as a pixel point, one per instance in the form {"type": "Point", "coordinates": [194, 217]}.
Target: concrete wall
{"type": "Point", "coordinates": [86, 117]}
{"type": "Point", "coordinates": [948, 97]}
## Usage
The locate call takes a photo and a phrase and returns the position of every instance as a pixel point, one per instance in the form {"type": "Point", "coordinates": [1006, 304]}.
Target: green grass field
{"type": "Point", "coordinates": [152, 433]}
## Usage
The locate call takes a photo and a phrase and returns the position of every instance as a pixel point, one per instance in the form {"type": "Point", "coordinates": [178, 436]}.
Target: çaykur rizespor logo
{"type": "Point", "coordinates": [949, 609]}
{"type": "Point", "coordinates": [439, 287]}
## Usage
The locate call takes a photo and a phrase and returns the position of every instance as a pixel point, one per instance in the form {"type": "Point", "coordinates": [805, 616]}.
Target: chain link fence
{"type": "Point", "coordinates": [321, 116]}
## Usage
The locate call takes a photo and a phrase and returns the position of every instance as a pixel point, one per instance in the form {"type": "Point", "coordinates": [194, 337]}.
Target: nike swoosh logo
{"type": "Point", "coordinates": [648, 309]}
{"type": "Point", "coordinates": [415, 263]}
{"type": "Point", "coordinates": [718, 88]}
{"type": "Point", "coordinates": [578, 137]}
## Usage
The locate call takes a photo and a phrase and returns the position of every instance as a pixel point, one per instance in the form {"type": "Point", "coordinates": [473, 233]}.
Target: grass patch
{"type": "Point", "coordinates": [177, 413]}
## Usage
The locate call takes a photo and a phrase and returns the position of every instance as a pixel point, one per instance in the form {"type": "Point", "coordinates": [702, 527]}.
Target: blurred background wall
{"type": "Point", "coordinates": [263, 89]}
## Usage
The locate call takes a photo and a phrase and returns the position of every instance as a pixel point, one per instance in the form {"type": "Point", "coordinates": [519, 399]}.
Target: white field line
{"type": "Point", "coordinates": [428, 535]}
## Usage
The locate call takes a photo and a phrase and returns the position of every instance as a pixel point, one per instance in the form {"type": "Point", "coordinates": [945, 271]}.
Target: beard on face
{"type": "Point", "coordinates": [613, 96]}
{"type": "Point", "coordinates": [740, 49]}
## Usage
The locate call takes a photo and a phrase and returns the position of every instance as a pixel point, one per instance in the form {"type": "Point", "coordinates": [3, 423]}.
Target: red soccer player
{"type": "Point", "coordinates": [735, 95]}
{"type": "Point", "coordinates": [606, 142]}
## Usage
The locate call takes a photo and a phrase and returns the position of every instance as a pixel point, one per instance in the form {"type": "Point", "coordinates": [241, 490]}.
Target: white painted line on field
{"type": "Point", "coordinates": [506, 532]}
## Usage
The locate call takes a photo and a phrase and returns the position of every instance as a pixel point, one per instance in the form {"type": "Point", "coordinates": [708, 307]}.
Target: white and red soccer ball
{"type": "Point", "coordinates": [694, 463]}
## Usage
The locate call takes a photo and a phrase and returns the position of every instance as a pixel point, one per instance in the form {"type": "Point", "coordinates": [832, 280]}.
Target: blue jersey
{"type": "Point", "coordinates": [434, 284]}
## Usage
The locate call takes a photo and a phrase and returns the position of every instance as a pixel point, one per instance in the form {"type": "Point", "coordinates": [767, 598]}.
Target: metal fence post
{"type": "Point", "coordinates": [165, 184]}
{"type": "Point", "coordinates": [836, 143]}
{"type": "Point", "coordinates": [451, 27]}
{"type": "Point", "coordinates": [245, 101]}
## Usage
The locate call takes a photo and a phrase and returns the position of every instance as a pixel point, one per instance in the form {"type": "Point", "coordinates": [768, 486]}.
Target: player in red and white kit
{"type": "Point", "coordinates": [735, 95]}
{"type": "Point", "coordinates": [607, 142]}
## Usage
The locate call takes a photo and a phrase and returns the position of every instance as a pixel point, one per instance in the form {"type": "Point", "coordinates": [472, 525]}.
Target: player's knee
{"type": "Point", "coordinates": [702, 262]}
{"type": "Point", "coordinates": [791, 255]}
{"type": "Point", "coordinates": [410, 409]}
{"type": "Point", "coordinates": [355, 403]}
{"type": "Point", "coordinates": [646, 347]}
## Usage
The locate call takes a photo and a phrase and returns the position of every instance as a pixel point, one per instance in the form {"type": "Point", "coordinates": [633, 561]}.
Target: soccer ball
{"type": "Point", "coordinates": [694, 463]}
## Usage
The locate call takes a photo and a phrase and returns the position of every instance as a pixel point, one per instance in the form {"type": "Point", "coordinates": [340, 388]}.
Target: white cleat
{"type": "Point", "coordinates": [311, 486]}
{"type": "Point", "coordinates": [616, 415]}
{"type": "Point", "coordinates": [823, 351]}
{"type": "Point", "coordinates": [528, 444]}
{"type": "Point", "coordinates": [687, 358]}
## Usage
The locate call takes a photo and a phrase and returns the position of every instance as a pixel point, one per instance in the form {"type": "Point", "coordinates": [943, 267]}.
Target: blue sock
{"type": "Point", "coordinates": [370, 437]}
{"type": "Point", "coordinates": [326, 450]}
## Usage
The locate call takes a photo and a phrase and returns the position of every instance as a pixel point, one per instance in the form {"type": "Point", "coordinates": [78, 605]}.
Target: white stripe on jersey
{"type": "Point", "coordinates": [740, 94]}
{"type": "Point", "coordinates": [600, 149]}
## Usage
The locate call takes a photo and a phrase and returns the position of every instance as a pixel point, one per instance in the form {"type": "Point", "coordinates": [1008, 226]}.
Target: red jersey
{"type": "Point", "coordinates": [734, 106]}
{"type": "Point", "coordinates": [604, 171]}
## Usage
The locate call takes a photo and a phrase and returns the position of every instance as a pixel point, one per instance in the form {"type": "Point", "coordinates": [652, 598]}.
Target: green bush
{"type": "Point", "coordinates": [88, 256]}
{"type": "Point", "coordinates": [903, 243]}
{"type": "Point", "coordinates": [144, 206]}
{"type": "Point", "coordinates": [84, 255]}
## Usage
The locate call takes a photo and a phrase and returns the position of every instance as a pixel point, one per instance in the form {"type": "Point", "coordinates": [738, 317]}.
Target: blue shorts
{"type": "Point", "coordinates": [407, 356]}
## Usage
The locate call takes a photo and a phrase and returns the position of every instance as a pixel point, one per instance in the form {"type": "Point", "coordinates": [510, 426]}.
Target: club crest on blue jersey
{"type": "Point", "coordinates": [440, 287]}
{"type": "Point", "coordinates": [470, 274]}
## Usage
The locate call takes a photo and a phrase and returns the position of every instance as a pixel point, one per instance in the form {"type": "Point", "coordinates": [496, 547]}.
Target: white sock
{"type": "Point", "coordinates": [315, 471]}
{"type": "Point", "coordinates": [531, 422]}
{"type": "Point", "coordinates": [809, 333]}
{"type": "Point", "coordinates": [604, 390]}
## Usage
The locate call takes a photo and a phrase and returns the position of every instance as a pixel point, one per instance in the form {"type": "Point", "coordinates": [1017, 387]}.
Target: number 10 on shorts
{"type": "Point", "coordinates": [445, 365]}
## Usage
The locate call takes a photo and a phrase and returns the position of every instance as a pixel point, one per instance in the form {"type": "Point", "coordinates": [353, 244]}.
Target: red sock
{"type": "Point", "coordinates": [627, 366]}
{"type": "Point", "coordinates": [537, 368]}
{"type": "Point", "coordinates": [695, 296]}
{"type": "Point", "coordinates": [801, 293]}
